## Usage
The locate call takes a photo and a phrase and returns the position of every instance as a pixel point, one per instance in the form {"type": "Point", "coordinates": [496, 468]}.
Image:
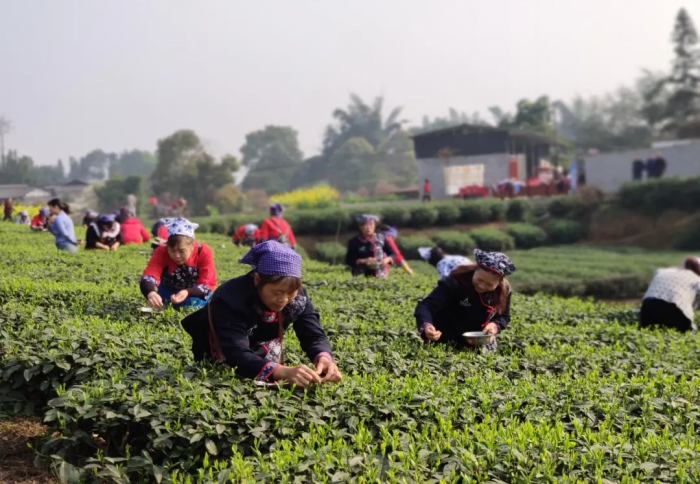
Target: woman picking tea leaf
{"type": "Point", "coordinates": [61, 226]}
{"type": "Point", "coordinates": [276, 228]}
{"type": "Point", "coordinates": [398, 260]}
{"type": "Point", "coordinates": [670, 298]}
{"type": "Point", "coordinates": [180, 272]}
{"type": "Point", "coordinates": [103, 234]}
{"type": "Point", "coordinates": [444, 263]}
{"type": "Point", "coordinates": [474, 297]}
{"type": "Point", "coordinates": [369, 253]}
{"type": "Point", "coordinates": [244, 323]}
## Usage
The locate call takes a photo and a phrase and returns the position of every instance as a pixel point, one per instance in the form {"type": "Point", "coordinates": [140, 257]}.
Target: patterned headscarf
{"type": "Point", "coordinates": [23, 212]}
{"type": "Point", "coordinates": [425, 253]}
{"type": "Point", "coordinates": [276, 210]}
{"type": "Point", "coordinates": [273, 259]}
{"type": "Point", "coordinates": [107, 219]}
{"type": "Point", "coordinates": [366, 218]}
{"type": "Point", "coordinates": [180, 226]}
{"type": "Point", "coordinates": [250, 229]}
{"type": "Point", "coordinates": [91, 213]}
{"type": "Point", "coordinates": [390, 231]}
{"type": "Point", "coordinates": [495, 262]}
{"type": "Point", "coordinates": [44, 212]}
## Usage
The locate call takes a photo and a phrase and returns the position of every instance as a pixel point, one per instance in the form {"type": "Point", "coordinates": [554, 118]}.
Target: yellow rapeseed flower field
{"type": "Point", "coordinates": [320, 196]}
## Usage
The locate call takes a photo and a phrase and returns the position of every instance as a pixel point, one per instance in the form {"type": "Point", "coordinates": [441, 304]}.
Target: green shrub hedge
{"type": "Point", "coordinates": [526, 236]}
{"type": "Point", "coordinates": [396, 215]}
{"type": "Point", "coordinates": [423, 217]}
{"type": "Point", "coordinates": [564, 206]}
{"type": "Point", "coordinates": [519, 210]}
{"type": "Point", "coordinates": [561, 231]}
{"type": "Point", "coordinates": [448, 213]}
{"type": "Point", "coordinates": [657, 195]}
{"type": "Point", "coordinates": [331, 252]}
{"type": "Point", "coordinates": [492, 239]}
{"type": "Point", "coordinates": [409, 245]}
{"type": "Point", "coordinates": [689, 238]}
{"type": "Point", "coordinates": [619, 287]}
{"type": "Point", "coordinates": [454, 242]}
{"type": "Point", "coordinates": [475, 212]}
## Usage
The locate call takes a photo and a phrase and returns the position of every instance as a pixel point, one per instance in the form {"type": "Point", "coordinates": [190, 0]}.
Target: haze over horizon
{"type": "Point", "coordinates": [78, 75]}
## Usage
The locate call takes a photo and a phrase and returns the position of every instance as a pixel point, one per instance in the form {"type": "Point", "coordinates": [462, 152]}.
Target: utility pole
{"type": "Point", "coordinates": [5, 128]}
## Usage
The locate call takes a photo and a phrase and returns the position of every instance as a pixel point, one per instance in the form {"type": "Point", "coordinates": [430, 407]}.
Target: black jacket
{"type": "Point", "coordinates": [361, 248]}
{"type": "Point", "coordinates": [454, 309]}
{"type": "Point", "coordinates": [237, 317]}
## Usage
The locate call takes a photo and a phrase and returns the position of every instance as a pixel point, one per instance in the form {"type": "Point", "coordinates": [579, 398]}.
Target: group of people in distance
{"type": "Point", "coordinates": [654, 166]}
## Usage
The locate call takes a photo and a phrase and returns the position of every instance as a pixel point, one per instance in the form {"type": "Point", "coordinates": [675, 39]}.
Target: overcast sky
{"type": "Point", "coordinates": [119, 74]}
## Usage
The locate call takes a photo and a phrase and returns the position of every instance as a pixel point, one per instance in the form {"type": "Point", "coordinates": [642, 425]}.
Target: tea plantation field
{"type": "Point", "coordinates": [575, 393]}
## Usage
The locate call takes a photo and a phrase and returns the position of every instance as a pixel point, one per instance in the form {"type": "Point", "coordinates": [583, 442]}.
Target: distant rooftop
{"type": "Point", "coordinates": [514, 133]}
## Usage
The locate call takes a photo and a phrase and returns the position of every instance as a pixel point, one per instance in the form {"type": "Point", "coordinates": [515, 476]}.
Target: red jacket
{"type": "Point", "coordinates": [38, 220]}
{"type": "Point", "coordinates": [133, 231]}
{"type": "Point", "coordinates": [162, 266]}
{"type": "Point", "coordinates": [269, 231]}
{"type": "Point", "coordinates": [426, 187]}
{"type": "Point", "coordinates": [398, 257]}
{"type": "Point", "coordinates": [240, 235]}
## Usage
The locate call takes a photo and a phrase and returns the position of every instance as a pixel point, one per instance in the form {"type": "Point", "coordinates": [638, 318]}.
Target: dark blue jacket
{"type": "Point", "coordinates": [237, 317]}
{"type": "Point", "coordinates": [455, 308]}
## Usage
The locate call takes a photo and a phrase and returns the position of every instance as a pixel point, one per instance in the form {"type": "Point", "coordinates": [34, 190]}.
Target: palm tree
{"type": "Point", "coordinates": [361, 120]}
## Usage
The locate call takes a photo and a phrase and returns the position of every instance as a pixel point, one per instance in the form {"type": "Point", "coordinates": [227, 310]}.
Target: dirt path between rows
{"type": "Point", "coordinates": [16, 458]}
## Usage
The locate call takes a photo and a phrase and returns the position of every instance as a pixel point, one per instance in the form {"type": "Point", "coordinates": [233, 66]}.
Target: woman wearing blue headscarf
{"type": "Point", "coordinates": [244, 323]}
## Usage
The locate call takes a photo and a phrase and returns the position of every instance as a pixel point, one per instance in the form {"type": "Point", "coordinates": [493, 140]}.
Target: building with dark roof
{"type": "Point", "coordinates": [466, 155]}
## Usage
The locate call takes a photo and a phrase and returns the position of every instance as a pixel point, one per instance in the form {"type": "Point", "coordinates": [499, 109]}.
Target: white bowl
{"type": "Point", "coordinates": [478, 338]}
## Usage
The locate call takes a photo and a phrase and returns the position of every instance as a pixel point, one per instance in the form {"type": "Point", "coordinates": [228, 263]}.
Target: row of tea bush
{"type": "Point", "coordinates": [516, 235]}
{"type": "Point", "coordinates": [417, 216]}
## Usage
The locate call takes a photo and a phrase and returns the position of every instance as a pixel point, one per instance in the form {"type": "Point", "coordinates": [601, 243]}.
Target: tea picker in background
{"type": "Point", "coordinates": [23, 218]}
{"type": "Point", "coordinates": [444, 263]}
{"type": "Point", "coordinates": [475, 297]}
{"type": "Point", "coordinates": [369, 253]}
{"type": "Point", "coordinates": [180, 272]}
{"type": "Point", "coordinates": [638, 168]}
{"type": "Point", "coordinates": [276, 228]}
{"type": "Point", "coordinates": [40, 221]}
{"type": "Point", "coordinates": [670, 298]}
{"type": "Point", "coordinates": [426, 191]}
{"type": "Point", "coordinates": [104, 234]}
{"type": "Point", "coordinates": [61, 226]}
{"type": "Point", "coordinates": [246, 235]}
{"type": "Point", "coordinates": [159, 232]}
{"type": "Point", "coordinates": [391, 235]}
{"type": "Point", "coordinates": [8, 208]}
{"type": "Point", "coordinates": [133, 231]}
{"type": "Point", "coordinates": [244, 323]}
{"type": "Point", "coordinates": [90, 217]}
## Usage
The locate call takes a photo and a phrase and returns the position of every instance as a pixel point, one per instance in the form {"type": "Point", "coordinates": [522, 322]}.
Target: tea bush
{"type": "Point", "coordinates": [575, 393]}
{"type": "Point", "coordinates": [423, 216]}
{"type": "Point", "coordinates": [492, 239]}
{"type": "Point", "coordinates": [331, 252]}
{"type": "Point", "coordinates": [408, 245]}
{"type": "Point", "coordinates": [395, 215]}
{"type": "Point", "coordinates": [455, 242]}
{"type": "Point", "coordinates": [519, 210]}
{"type": "Point", "coordinates": [448, 213]}
{"type": "Point", "coordinates": [561, 231]}
{"type": "Point", "coordinates": [526, 236]}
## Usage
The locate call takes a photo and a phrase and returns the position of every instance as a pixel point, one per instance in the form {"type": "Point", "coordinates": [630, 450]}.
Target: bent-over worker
{"type": "Point", "coordinates": [244, 323]}
{"type": "Point", "coordinates": [473, 298]}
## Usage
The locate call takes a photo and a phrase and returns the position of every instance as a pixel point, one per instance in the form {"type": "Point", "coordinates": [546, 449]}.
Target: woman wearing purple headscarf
{"type": "Point", "coordinates": [244, 323]}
